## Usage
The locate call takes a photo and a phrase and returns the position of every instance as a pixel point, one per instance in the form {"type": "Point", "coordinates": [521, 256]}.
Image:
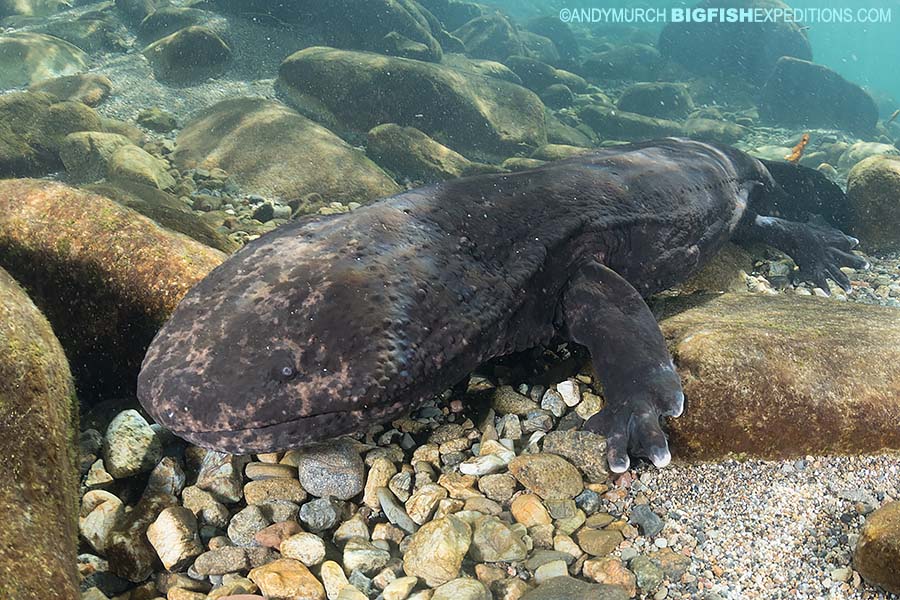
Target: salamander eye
{"type": "Point", "coordinates": [282, 366]}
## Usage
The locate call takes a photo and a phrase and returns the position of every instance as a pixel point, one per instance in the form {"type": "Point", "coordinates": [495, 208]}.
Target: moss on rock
{"type": "Point", "coordinates": [105, 276]}
{"type": "Point", "coordinates": [779, 376]}
{"type": "Point", "coordinates": [38, 432]}
{"type": "Point", "coordinates": [873, 189]}
{"type": "Point", "coordinates": [483, 117]}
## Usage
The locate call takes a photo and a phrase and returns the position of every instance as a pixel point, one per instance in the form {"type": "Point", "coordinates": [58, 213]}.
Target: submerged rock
{"type": "Point", "coordinates": [800, 93]}
{"type": "Point", "coordinates": [165, 209]}
{"type": "Point", "coordinates": [610, 123]}
{"type": "Point", "coordinates": [27, 58]}
{"type": "Point", "coordinates": [539, 76]}
{"type": "Point", "coordinates": [189, 55]}
{"type": "Point", "coordinates": [873, 189]}
{"type": "Point", "coordinates": [270, 149]}
{"type": "Point", "coordinates": [661, 100]}
{"type": "Point", "coordinates": [31, 8]}
{"type": "Point", "coordinates": [492, 37]}
{"type": "Point", "coordinates": [38, 431]}
{"type": "Point", "coordinates": [467, 112]}
{"type": "Point", "coordinates": [32, 129]}
{"type": "Point", "coordinates": [87, 88]}
{"type": "Point", "coordinates": [877, 553]}
{"type": "Point", "coordinates": [735, 50]}
{"type": "Point", "coordinates": [574, 589]}
{"type": "Point", "coordinates": [778, 376]}
{"type": "Point", "coordinates": [127, 272]}
{"type": "Point", "coordinates": [410, 153]}
{"type": "Point", "coordinates": [635, 62]}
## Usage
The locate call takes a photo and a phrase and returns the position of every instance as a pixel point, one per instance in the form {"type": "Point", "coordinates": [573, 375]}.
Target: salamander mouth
{"type": "Point", "coordinates": [290, 434]}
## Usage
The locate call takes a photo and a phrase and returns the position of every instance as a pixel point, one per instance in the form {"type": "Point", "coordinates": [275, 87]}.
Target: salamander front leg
{"type": "Point", "coordinates": [606, 314]}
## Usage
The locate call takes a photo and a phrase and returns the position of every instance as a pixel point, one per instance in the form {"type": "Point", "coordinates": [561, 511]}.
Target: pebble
{"type": "Point", "coordinates": [436, 551]}
{"type": "Point", "coordinates": [598, 542]}
{"type": "Point", "coordinates": [205, 507]}
{"type": "Point", "coordinates": [612, 571]}
{"type": "Point", "coordinates": [570, 392]}
{"type": "Point", "coordinates": [355, 526]}
{"type": "Point", "coordinates": [260, 471]}
{"type": "Point", "coordinates": [275, 534]}
{"type": "Point", "coordinates": [553, 401]}
{"type": "Point", "coordinates": [361, 555]}
{"type": "Point", "coordinates": [231, 559]}
{"type": "Point", "coordinates": [507, 401]}
{"type": "Point", "coordinates": [462, 589]}
{"type": "Point", "coordinates": [583, 448]}
{"type": "Point", "coordinates": [174, 537]}
{"type": "Point", "coordinates": [100, 512]}
{"type": "Point", "coordinates": [319, 514]}
{"type": "Point", "coordinates": [394, 511]}
{"type": "Point", "coordinates": [647, 575]}
{"type": "Point", "coordinates": [267, 490]}
{"type": "Point", "coordinates": [333, 578]}
{"type": "Point", "coordinates": [287, 578]}
{"type": "Point", "coordinates": [547, 475]}
{"type": "Point", "coordinates": [494, 541]}
{"type": "Point", "coordinates": [528, 510]}
{"type": "Point", "coordinates": [306, 547]}
{"type": "Point", "coordinates": [220, 475]}
{"type": "Point", "coordinates": [130, 446]}
{"type": "Point", "coordinates": [400, 588]}
{"type": "Point", "coordinates": [498, 487]}
{"type": "Point", "coordinates": [332, 469]}
{"type": "Point", "coordinates": [648, 522]}
{"type": "Point", "coordinates": [549, 570]}
{"type": "Point", "coordinates": [245, 524]}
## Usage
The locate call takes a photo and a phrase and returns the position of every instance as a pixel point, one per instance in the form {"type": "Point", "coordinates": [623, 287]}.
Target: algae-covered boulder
{"type": "Point", "coordinates": [136, 164]}
{"type": "Point", "coordinates": [538, 76]}
{"type": "Point", "coordinates": [408, 152]}
{"type": "Point", "coordinates": [779, 376]}
{"type": "Point", "coordinates": [726, 272]}
{"type": "Point", "coordinates": [737, 50]}
{"type": "Point", "coordinates": [105, 276]}
{"type": "Point", "coordinates": [662, 100]}
{"type": "Point", "coordinates": [873, 189]}
{"type": "Point", "coordinates": [860, 151]}
{"type": "Point", "coordinates": [189, 55]}
{"type": "Point", "coordinates": [270, 149]}
{"type": "Point", "coordinates": [800, 93]}
{"type": "Point", "coordinates": [31, 8]}
{"type": "Point", "coordinates": [93, 31]}
{"type": "Point", "coordinates": [492, 37]}
{"type": "Point", "coordinates": [87, 88]}
{"type": "Point", "coordinates": [38, 433]}
{"type": "Point", "coordinates": [877, 553]}
{"type": "Point", "coordinates": [27, 58]}
{"type": "Point", "coordinates": [714, 130]}
{"type": "Point", "coordinates": [467, 112]}
{"type": "Point", "coordinates": [611, 123]}
{"type": "Point", "coordinates": [32, 129]}
{"type": "Point", "coordinates": [634, 62]}
{"type": "Point", "coordinates": [165, 209]}
{"type": "Point", "coordinates": [86, 154]}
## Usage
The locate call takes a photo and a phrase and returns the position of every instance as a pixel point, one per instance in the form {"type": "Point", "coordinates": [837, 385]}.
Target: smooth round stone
{"type": "Point", "coordinates": [394, 511]}
{"type": "Point", "coordinates": [462, 589]}
{"type": "Point", "coordinates": [268, 490]}
{"type": "Point", "coordinates": [329, 470]}
{"type": "Point", "coordinates": [246, 524]}
{"type": "Point", "coordinates": [436, 551]}
{"type": "Point", "coordinates": [878, 550]}
{"type": "Point", "coordinates": [100, 511]}
{"type": "Point", "coordinates": [287, 578]}
{"type": "Point", "coordinates": [131, 446]}
{"type": "Point", "coordinates": [494, 541]}
{"type": "Point", "coordinates": [598, 542]}
{"type": "Point", "coordinates": [306, 547]}
{"type": "Point", "coordinates": [174, 537]}
{"type": "Point", "coordinates": [257, 471]}
{"type": "Point", "coordinates": [361, 555]}
{"type": "Point", "coordinates": [399, 588]}
{"type": "Point", "coordinates": [319, 514]}
{"type": "Point", "coordinates": [547, 475]}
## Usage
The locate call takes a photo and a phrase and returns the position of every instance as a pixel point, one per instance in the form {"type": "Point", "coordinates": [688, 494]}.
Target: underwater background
{"type": "Point", "coordinates": [144, 142]}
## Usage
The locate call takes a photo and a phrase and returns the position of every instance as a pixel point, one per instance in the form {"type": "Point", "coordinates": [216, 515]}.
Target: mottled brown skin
{"type": "Point", "coordinates": [328, 325]}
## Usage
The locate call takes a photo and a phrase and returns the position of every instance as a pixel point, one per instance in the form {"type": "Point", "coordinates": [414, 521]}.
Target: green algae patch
{"type": "Point", "coordinates": [105, 276]}
{"type": "Point", "coordinates": [38, 432]}
{"type": "Point", "coordinates": [783, 376]}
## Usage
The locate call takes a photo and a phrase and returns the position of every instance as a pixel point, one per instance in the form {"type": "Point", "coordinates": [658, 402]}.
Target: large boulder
{"type": "Point", "coordinates": [492, 37]}
{"type": "Point", "coordinates": [33, 127]}
{"type": "Point", "coordinates": [478, 115]}
{"type": "Point", "coordinates": [803, 94]}
{"type": "Point", "coordinates": [660, 100]}
{"type": "Point", "coordinates": [538, 76]}
{"type": "Point", "coordinates": [782, 376]}
{"type": "Point", "coordinates": [874, 192]}
{"type": "Point", "coordinates": [165, 209]}
{"type": "Point", "coordinates": [877, 553]}
{"type": "Point", "coordinates": [611, 123]}
{"type": "Point", "coordinates": [87, 88]}
{"type": "Point", "coordinates": [188, 56]}
{"type": "Point", "coordinates": [38, 433]}
{"type": "Point", "coordinates": [270, 149]}
{"type": "Point", "coordinates": [410, 153]}
{"type": "Point", "coordinates": [734, 50]}
{"type": "Point", "coordinates": [27, 58]}
{"type": "Point", "coordinates": [105, 276]}
{"type": "Point", "coordinates": [31, 8]}
{"type": "Point", "coordinates": [632, 62]}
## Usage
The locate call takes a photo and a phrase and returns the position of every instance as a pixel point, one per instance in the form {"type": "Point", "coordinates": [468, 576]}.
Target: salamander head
{"type": "Point", "coordinates": [273, 350]}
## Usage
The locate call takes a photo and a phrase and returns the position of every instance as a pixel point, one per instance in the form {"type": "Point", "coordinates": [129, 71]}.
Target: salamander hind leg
{"type": "Point", "coordinates": [606, 314]}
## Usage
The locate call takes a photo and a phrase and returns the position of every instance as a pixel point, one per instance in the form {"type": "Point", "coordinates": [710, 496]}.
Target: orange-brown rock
{"type": "Point", "coordinates": [780, 376]}
{"type": "Point", "coordinates": [105, 276]}
{"type": "Point", "coordinates": [38, 429]}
